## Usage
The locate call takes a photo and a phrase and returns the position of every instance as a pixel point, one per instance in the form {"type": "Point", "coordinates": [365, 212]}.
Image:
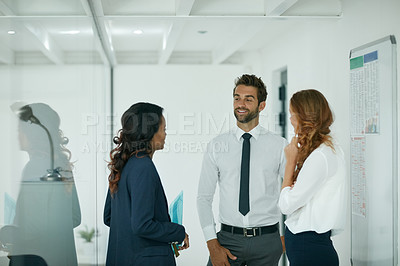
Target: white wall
{"type": "Point", "coordinates": [316, 54]}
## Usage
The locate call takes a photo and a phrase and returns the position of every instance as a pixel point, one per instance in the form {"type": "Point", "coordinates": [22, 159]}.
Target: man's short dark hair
{"type": "Point", "coordinates": [253, 81]}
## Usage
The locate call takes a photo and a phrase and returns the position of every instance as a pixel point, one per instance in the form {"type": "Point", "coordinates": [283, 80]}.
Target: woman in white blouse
{"type": "Point", "coordinates": [314, 193]}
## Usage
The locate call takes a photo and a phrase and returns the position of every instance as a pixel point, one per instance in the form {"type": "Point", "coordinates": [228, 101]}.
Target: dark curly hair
{"type": "Point", "coordinates": [314, 118]}
{"type": "Point", "coordinates": [253, 81]}
{"type": "Point", "coordinates": [139, 124]}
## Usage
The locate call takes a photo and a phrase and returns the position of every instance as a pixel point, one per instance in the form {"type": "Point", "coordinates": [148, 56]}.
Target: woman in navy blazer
{"type": "Point", "coordinates": [136, 210]}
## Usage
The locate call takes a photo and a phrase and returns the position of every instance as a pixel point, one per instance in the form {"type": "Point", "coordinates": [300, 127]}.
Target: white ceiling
{"type": "Point", "coordinates": [174, 31]}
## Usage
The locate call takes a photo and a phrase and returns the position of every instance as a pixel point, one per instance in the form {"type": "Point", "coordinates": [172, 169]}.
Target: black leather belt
{"type": "Point", "coordinates": [250, 232]}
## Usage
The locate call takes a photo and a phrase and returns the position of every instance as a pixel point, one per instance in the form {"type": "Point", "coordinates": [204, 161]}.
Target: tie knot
{"type": "Point", "coordinates": [246, 136]}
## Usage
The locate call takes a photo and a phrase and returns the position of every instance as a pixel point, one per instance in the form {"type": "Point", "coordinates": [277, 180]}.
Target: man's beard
{"type": "Point", "coordinates": [250, 115]}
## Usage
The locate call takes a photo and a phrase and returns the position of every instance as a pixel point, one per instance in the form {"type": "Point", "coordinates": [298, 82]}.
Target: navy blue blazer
{"type": "Point", "coordinates": [140, 227]}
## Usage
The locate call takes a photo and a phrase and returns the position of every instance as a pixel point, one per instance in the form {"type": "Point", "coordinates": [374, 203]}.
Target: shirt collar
{"type": "Point", "coordinates": [255, 132]}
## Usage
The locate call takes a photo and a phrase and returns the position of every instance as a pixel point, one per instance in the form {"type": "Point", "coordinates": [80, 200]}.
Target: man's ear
{"type": "Point", "coordinates": [261, 106]}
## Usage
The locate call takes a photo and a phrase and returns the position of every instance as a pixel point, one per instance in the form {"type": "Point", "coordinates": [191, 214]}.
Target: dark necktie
{"type": "Point", "coordinates": [244, 204]}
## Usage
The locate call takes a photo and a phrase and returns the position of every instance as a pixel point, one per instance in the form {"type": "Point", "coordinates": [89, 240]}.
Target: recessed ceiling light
{"type": "Point", "coordinates": [138, 32]}
{"type": "Point", "coordinates": [11, 32]}
{"type": "Point", "coordinates": [70, 32]}
{"type": "Point", "coordinates": [202, 31]}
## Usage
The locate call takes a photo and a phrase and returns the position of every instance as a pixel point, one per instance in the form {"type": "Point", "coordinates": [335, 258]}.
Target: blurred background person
{"type": "Point", "coordinates": [47, 207]}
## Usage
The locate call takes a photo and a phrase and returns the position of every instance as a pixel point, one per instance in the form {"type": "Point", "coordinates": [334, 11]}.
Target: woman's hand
{"type": "Point", "coordinates": [185, 243]}
{"type": "Point", "coordinates": [291, 151]}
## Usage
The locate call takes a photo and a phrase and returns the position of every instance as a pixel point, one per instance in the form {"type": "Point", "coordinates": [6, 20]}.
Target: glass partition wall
{"type": "Point", "coordinates": [54, 94]}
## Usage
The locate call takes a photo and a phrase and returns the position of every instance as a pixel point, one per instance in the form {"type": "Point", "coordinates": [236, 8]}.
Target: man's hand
{"type": "Point", "coordinates": [218, 254]}
{"type": "Point", "coordinates": [185, 243]}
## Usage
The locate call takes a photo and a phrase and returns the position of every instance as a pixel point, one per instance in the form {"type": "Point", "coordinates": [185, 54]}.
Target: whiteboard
{"type": "Point", "coordinates": [373, 148]}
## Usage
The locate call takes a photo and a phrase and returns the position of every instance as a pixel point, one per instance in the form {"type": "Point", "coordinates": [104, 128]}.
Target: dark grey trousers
{"type": "Point", "coordinates": [264, 250]}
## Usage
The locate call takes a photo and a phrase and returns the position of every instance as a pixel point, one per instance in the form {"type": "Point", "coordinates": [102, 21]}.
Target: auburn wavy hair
{"type": "Point", "coordinates": [139, 124]}
{"type": "Point", "coordinates": [314, 118]}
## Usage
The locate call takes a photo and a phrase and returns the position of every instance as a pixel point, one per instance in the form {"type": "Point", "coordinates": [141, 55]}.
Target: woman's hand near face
{"type": "Point", "coordinates": [291, 151]}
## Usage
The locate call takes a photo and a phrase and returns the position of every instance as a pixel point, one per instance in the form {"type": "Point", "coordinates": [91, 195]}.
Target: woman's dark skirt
{"type": "Point", "coordinates": [310, 249]}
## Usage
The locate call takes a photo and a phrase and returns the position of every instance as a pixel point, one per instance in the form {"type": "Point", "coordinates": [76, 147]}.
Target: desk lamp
{"type": "Point", "coordinates": [25, 114]}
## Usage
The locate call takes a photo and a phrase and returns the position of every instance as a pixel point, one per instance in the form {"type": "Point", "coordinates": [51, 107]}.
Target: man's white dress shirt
{"type": "Point", "coordinates": [222, 164]}
{"type": "Point", "coordinates": [318, 200]}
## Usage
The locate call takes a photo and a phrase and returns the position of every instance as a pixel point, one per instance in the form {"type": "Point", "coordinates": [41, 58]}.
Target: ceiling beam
{"type": "Point", "coordinates": [5, 9]}
{"type": "Point", "coordinates": [6, 55]}
{"type": "Point", "coordinates": [277, 7]}
{"type": "Point", "coordinates": [170, 40]}
{"type": "Point", "coordinates": [86, 7]}
{"type": "Point", "coordinates": [97, 41]}
{"type": "Point", "coordinates": [183, 7]}
{"type": "Point", "coordinates": [260, 18]}
{"type": "Point", "coordinates": [94, 9]}
{"type": "Point", "coordinates": [234, 40]}
{"type": "Point", "coordinates": [46, 43]}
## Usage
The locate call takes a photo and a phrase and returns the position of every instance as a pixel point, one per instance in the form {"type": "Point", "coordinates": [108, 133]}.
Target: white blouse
{"type": "Point", "coordinates": [318, 200]}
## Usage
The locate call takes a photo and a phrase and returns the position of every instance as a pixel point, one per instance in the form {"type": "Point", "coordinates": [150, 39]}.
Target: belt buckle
{"type": "Point", "coordinates": [246, 234]}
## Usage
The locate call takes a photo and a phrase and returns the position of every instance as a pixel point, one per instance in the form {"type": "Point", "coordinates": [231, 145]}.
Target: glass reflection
{"type": "Point", "coordinates": [47, 207]}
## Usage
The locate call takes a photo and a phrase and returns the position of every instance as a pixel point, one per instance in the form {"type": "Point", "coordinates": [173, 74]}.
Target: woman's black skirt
{"type": "Point", "coordinates": [310, 249]}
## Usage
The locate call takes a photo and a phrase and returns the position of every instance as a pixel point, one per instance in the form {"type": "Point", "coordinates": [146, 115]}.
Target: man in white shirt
{"type": "Point", "coordinates": [248, 175]}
